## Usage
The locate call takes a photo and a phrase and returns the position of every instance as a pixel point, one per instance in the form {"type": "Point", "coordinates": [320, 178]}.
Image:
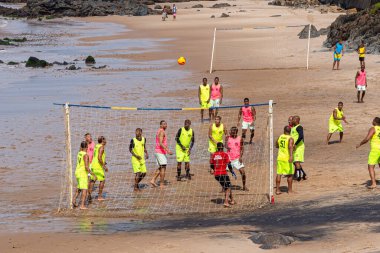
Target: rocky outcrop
{"type": "Point", "coordinates": [354, 28]}
{"type": "Point", "coordinates": [295, 3]}
{"type": "Point", "coordinates": [348, 4]}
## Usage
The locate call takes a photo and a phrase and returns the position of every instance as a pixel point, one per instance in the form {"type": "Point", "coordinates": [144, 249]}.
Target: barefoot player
{"type": "Point", "coordinates": [374, 155]}
{"type": "Point", "coordinates": [285, 159]}
{"type": "Point", "coordinates": [216, 132]}
{"type": "Point", "coordinates": [361, 83]}
{"type": "Point", "coordinates": [299, 150]}
{"type": "Point", "coordinates": [139, 154]}
{"type": "Point", "coordinates": [249, 117]}
{"type": "Point", "coordinates": [99, 167]}
{"type": "Point", "coordinates": [204, 95]}
{"type": "Point", "coordinates": [335, 122]}
{"type": "Point", "coordinates": [216, 96]}
{"type": "Point", "coordinates": [185, 141]}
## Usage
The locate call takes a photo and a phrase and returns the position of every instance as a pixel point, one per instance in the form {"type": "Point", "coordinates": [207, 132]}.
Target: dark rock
{"type": "Point", "coordinates": [90, 60]}
{"type": "Point", "coordinates": [100, 67]}
{"type": "Point", "coordinates": [224, 15]}
{"type": "Point", "coordinates": [323, 31]}
{"type": "Point", "coordinates": [60, 63]}
{"type": "Point", "coordinates": [348, 4]}
{"type": "Point", "coordinates": [157, 7]}
{"type": "Point", "coordinates": [295, 3]}
{"type": "Point", "coordinates": [5, 43]}
{"type": "Point", "coordinates": [16, 39]}
{"type": "Point", "coordinates": [73, 67]}
{"type": "Point", "coordinates": [13, 63]}
{"type": "Point", "coordinates": [1, 62]}
{"type": "Point", "coordinates": [212, 16]}
{"type": "Point", "coordinates": [304, 34]}
{"type": "Point", "coordinates": [270, 240]}
{"type": "Point", "coordinates": [221, 5]}
{"type": "Point", "coordinates": [197, 6]}
{"type": "Point", "coordinates": [34, 62]}
{"type": "Point", "coordinates": [242, 11]}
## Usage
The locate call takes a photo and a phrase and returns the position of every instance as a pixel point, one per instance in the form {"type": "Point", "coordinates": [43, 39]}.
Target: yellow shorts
{"type": "Point", "coordinates": [99, 173]}
{"type": "Point", "coordinates": [299, 154]}
{"type": "Point", "coordinates": [138, 167]}
{"type": "Point", "coordinates": [335, 128]}
{"type": "Point", "coordinates": [205, 105]}
{"type": "Point", "coordinates": [211, 147]}
{"type": "Point", "coordinates": [182, 156]}
{"type": "Point", "coordinates": [82, 182]}
{"type": "Point", "coordinates": [285, 168]}
{"type": "Point", "coordinates": [374, 157]}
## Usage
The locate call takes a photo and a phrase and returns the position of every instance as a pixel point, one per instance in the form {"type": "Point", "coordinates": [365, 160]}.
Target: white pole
{"type": "Point", "coordinates": [213, 48]}
{"type": "Point", "coordinates": [308, 48]}
{"type": "Point", "coordinates": [69, 163]}
{"type": "Point", "coordinates": [271, 196]}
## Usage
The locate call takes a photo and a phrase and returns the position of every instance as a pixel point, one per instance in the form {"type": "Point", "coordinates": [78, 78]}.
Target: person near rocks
{"type": "Point", "coordinates": [374, 155]}
{"type": "Point", "coordinates": [185, 141]}
{"type": "Point", "coordinates": [99, 167]}
{"type": "Point", "coordinates": [174, 11]}
{"type": "Point", "coordinates": [218, 167]}
{"type": "Point", "coordinates": [249, 116]}
{"type": "Point", "coordinates": [361, 51]}
{"type": "Point", "coordinates": [90, 146]}
{"type": "Point", "coordinates": [361, 83]}
{"type": "Point", "coordinates": [161, 152]}
{"type": "Point", "coordinates": [285, 166]}
{"type": "Point", "coordinates": [338, 53]}
{"type": "Point", "coordinates": [137, 148]}
{"type": "Point", "coordinates": [216, 96]}
{"type": "Point", "coordinates": [204, 95]}
{"type": "Point", "coordinates": [299, 148]}
{"type": "Point", "coordinates": [335, 122]}
{"type": "Point", "coordinates": [164, 14]}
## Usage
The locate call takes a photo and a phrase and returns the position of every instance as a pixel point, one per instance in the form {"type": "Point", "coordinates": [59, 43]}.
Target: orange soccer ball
{"type": "Point", "coordinates": [181, 60]}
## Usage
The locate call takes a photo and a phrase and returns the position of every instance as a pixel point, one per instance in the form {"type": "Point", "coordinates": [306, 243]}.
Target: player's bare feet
{"type": "Point", "coordinates": [83, 208]}
{"type": "Point", "coordinates": [245, 189]}
{"type": "Point", "coordinates": [226, 205]}
{"type": "Point", "coordinates": [371, 187]}
{"type": "Point", "coordinates": [101, 199]}
{"type": "Point", "coordinates": [74, 205]}
{"type": "Point", "coordinates": [153, 184]}
{"type": "Point", "coordinates": [232, 202]}
{"type": "Point", "coordinates": [278, 192]}
{"type": "Point", "coordinates": [136, 189]}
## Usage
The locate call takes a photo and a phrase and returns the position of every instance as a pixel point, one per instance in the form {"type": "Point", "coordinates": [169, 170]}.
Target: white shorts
{"type": "Point", "coordinates": [215, 103]}
{"type": "Point", "coordinates": [361, 87]}
{"type": "Point", "coordinates": [236, 164]}
{"type": "Point", "coordinates": [161, 159]}
{"type": "Point", "coordinates": [246, 125]}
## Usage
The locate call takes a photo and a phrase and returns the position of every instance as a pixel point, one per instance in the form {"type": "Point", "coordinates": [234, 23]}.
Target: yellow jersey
{"type": "Point", "coordinates": [283, 151]}
{"type": "Point", "coordinates": [204, 92]}
{"type": "Point", "coordinates": [375, 140]}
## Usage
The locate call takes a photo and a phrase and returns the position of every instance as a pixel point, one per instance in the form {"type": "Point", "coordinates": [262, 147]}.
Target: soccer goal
{"type": "Point", "coordinates": [202, 194]}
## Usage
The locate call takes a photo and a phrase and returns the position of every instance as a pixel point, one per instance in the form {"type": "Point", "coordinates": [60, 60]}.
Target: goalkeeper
{"type": "Point", "coordinates": [185, 142]}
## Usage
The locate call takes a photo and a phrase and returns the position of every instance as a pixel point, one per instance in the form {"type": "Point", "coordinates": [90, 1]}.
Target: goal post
{"type": "Point", "coordinates": [201, 194]}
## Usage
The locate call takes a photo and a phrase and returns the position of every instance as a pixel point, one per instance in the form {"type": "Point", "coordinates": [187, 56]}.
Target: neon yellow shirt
{"type": "Point", "coordinates": [375, 140]}
{"type": "Point", "coordinates": [283, 151]}
{"type": "Point", "coordinates": [139, 149]}
{"type": "Point", "coordinates": [204, 92]}
{"type": "Point", "coordinates": [95, 161]}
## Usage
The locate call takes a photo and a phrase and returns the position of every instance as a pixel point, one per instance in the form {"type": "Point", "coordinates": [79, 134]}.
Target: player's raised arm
{"type": "Point", "coordinates": [371, 132]}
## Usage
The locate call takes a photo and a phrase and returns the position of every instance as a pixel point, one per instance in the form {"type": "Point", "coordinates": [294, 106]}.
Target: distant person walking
{"type": "Point", "coordinates": [338, 53]}
{"type": "Point", "coordinates": [335, 122]}
{"type": "Point", "coordinates": [361, 83]}
{"type": "Point", "coordinates": [174, 11]}
{"type": "Point", "coordinates": [164, 14]}
{"type": "Point", "coordinates": [361, 51]}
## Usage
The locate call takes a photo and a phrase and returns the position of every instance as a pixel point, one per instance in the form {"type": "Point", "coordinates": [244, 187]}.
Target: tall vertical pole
{"type": "Point", "coordinates": [308, 48]}
{"type": "Point", "coordinates": [69, 164]}
{"type": "Point", "coordinates": [213, 49]}
{"type": "Point", "coordinates": [271, 196]}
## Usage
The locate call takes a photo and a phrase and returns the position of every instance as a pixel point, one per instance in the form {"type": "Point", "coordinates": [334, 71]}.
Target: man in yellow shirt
{"type": "Point", "coordinates": [216, 132]}
{"type": "Point", "coordinates": [335, 122]}
{"type": "Point", "coordinates": [99, 167]}
{"type": "Point", "coordinates": [374, 155]}
{"type": "Point", "coordinates": [285, 167]}
{"type": "Point", "coordinates": [204, 94]}
{"type": "Point", "coordinates": [185, 142]}
{"type": "Point", "coordinates": [137, 147]}
{"type": "Point", "coordinates": [361, 51]}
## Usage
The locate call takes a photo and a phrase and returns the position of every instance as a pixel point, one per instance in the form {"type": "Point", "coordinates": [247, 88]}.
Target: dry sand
{"type": "Point", "coordinates": [333, 207]}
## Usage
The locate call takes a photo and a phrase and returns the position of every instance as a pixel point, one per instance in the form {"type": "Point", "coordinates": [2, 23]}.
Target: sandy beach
{"type": "Point", "coordinates": [332, 211]}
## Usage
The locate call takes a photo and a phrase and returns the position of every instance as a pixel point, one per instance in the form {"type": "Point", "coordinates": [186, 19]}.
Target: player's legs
{"type": "Point", "coordinates": [83, 199]}
{"type": "Point", "coordinates": [252, 135]}
{"type": "Point", "coordinates": [340, 136]}
{"type": "Point", "coordinates": [289, 178]}
{"type": "Point", "coordinates": [243, 178]}
{"type": "Point", "coordinates": [101, 187]}
{"type": "Point", "coordinates": [75, 197]}
{"type": "Point", "coordinates": [278, 182]}
{"type": "Point", "coordinates": [155, 176]}
{"type": "Point", "coordinates": [91, 184]}
{"type": "Point", "coordinates": [162, 176]}
{"type": "Point", "coordinates": [334, 64]}
{"type": "Point", "coordinates": [337, 64]}
{"type": "Point", "coordinates": [187, 168]}
{"type": "Point", "coordinates": [179, 165]}
{"type": "Point", "coordinates": [363, 93]}
{"type": "Point", "coordinates": [243, 133]}
{"type": "Point", "coordinates": [202, 112]}
{"type": "Point", "coordinates": [137, 180]}
{"type": "Point", "coordinates": [328, 138]}
{"type": "Point", "coordinates": [371, 170]}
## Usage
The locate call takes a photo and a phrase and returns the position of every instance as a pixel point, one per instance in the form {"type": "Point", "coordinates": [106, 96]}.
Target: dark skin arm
{"type": "Point", "coordinates": [239, 115]}
{"type": "Point", "coordinates": [210, 134]}
{"type": "Point", "coordinates": [191, 143]}
{"type": "Point", "coordinates": [199, 95]}
{"type": "Point", "coordinates": [253, 113]}
{"type": "Point", "coordinates": [221, 94]}
{"type": "Point", "coordinates": [133, 153]}
{"type": "Point", "coordinates": [87, 166]}
{"type": "Point", "coordinates": [161, 139]}
{"type": "Point", "coordinates": [241, 149]}
{"type": "Point", "coordinates": [357, 74]}
{"type": "Point", "coordinates": [371, 132]}
{"type": "Point", "coordinates": [291, 147]}
{"type": "Point", "coordinates": [146, 151]}
{"type": "Point", "coordinates": [277, 146]}
{"type": "Point", "coordinates": [101, 151]}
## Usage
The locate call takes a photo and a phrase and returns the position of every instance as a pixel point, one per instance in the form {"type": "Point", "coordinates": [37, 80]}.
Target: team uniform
{"type": "Point", "coordinates": [174, 11]}
{"type": "Point", "coordinates": [216, 133]}
{"type": "Point", "coordinates": [80, 172]}
{"type": "Point", "coordinates": [184, 137]}
{"type": "Point", "coordinates": [90, 151]}
{"type": "Point", "coordinates": [138, 148]}
{"type": "Point", "coordinates": [284, 167]}
{"type": "Point", "coordinates": [374, 154]}
{"type": "Point", "coordinates": [361, 80]}
{"type": "Point", "coordinates": [216, 95]}
{"type": "Point", "coordinates": [248, 120]}
{"type": "Point", "coordinates": [338, 51]}
{"type": "Point", "coordinates": [335, 125]}
{"type": "Point", "coordinates": [205, 96]}
{"type": "Point", "coordinates": [234, 145]}
{"type": "Point", "coordinates": [160, 153]}
{"type": "Point", "coordinates": [361, 53]}
{"type": "Point", "coordinates": [299, 144]}
{"type": "Point", "coordinates": [220, 160]}
{"type": "Point", "coordinates": [96, 167]}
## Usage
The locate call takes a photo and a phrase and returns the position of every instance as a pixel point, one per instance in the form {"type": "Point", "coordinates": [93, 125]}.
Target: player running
{"type": "Point", "coordinates": [137, 147]}
{"type": "Point", "coordinates": [361, 83]}
{"type": "Point", "coordinates": [185, 142]}
{"type": "Point", "coordinates": [99, 167]}
{"type": "Point", "coordinates": [90, 146]}
{"type": "Point", "coordinates": [249, 117]}
{"type": "Point", "coordinates": [204, 95]}
{"type": "Point", "coordinates": [216, 96]}
{"type": "Point", "coordinates": [299, 150]}
{"type": "Point", "coordinates": [374, 155]}
{"type": "Point", "coordinates": [335, 122]}
{"type": "Point", "coordinates": [235, 150]}
{"type": "Point", "coordinates": [216, 132]}
{"type": "Point", "coordinates": [218, 163]}
{"type": "Point", "coordinates": [285, 159]}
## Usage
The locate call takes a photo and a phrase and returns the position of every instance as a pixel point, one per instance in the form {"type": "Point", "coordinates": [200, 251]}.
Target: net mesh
{"type": "Point", "coordinates": [201, 194]}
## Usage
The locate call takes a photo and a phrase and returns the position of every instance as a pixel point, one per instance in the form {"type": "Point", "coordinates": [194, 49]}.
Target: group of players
{"type": "Point", "coordinates": [92, 165]}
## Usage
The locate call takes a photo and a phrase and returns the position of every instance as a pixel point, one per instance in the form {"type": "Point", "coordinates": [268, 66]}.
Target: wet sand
{"type": "Point", "coordinates": [333, 207]}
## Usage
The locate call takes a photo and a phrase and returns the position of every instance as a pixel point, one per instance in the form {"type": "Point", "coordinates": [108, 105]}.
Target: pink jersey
{"type": "Point", "coordinates": [360, 80]}
{"type": "Point", "coordinates": [234, 147]}
{"type": "Point", "coordinates": [159, 149]}
{"type": "Point", "coordinates": [215, 91]}
{"type": "Point", "coordinates": [90, 151]}
{"type": "Point", "coordinates": [247, 114]}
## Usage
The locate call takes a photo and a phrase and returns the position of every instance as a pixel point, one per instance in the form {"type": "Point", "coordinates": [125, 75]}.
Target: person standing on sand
{"type": "Point", "coordinates": [335, 123]}
{"type": "Point", "coordinates": [164, 14]}
{"type": "Point", "coordinates": [299, 148]}
{"type": "Point", "coordinates": [290, 123]}
{"type": "Point", "coordinates": [174, 11]}
{"type": "Point", "coordinates": [81, 173]}
{"type": "Point", "coordinates": [218, 164]}
{"type": "Point", "coordinates": [285, 167]}
{"type": "Point", "coordinates": [338, 54]}
{"type": "Point", "coordinates": [99, 167]}
{"type": "Point", "coordinates": [204, 95]}
{"type": "Point", "coordinates": [91, 146]}
{"type": "Point", "coordinates": [185, 142]}
{"type": "Point", "coordinates": [361, 51]}
{"type": "Point", "coordinates": [249, 117]}
{"type": "Point", "coordinates": [216, 132]}
{"type": "Point", "coordinates": [216, 96]}
{"type": "Point", "coordinates": [374, 155]}
{"type": "Point", "coordinates": [361, 83]}
{"type": "Point", "coordinates": [161, 152]}
{"type": "Point", "coordinates": [137, 147]}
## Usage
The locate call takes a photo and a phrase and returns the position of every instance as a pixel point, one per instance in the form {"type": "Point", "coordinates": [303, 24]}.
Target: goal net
{"type": "Point", "coordinates": [201, 194]}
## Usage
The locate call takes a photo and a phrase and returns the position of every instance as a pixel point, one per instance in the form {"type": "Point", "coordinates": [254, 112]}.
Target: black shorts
{"type": "Point", "coordinates": [224, 181]}
{"type": "Point", "coordinates": [361, 58]}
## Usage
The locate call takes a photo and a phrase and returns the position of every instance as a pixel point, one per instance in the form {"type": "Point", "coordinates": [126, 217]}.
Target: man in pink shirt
{"type": "Point", "coordinates": [361, 83]}
{"type": "Point", "coordinates": [216, 97]}
{"type": "Point", "coordinates": [90, 146]}
{"type": "Point", "coordinates": [235, 151]}
{"type": "Point", "coordinates": [249, 116]}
